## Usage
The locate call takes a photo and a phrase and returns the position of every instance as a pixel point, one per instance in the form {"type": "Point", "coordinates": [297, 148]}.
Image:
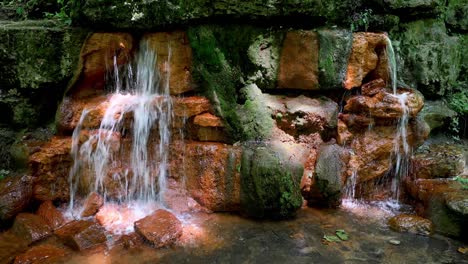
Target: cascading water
{"type": "Point", "coordinates": [103, 161]}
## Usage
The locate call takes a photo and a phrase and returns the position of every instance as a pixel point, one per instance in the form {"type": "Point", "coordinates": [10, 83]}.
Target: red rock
{"type": "Point", "coordinates": [92, 205]}
{"type": "Point", "coordinates": [96, 55]}
{"type": "Point", "coordinates": [181, 58]}
{"type": "Point", "coordinates": [344, 136]}
{"type": "Point", "coordinates": [161, 228]}
{"type": "Point", "coordinates": [213, 134]}
{"type": "Point", "coordinates": [208, 120]}
{"type": "Point", "coordinates": [15, 195]}
{"type": "Point", "coordinates": [364, 58]}
{"type": "Point", "coordinates": [299, 61]}
{"type": "Point", "coordinates": [50, 167]}
{"type": "Point", "coordinates": [373, 87]}
{"type": "Point", "coordinates": [438, 161]}
{"type": "Point", "coordinates": [81, 235]}
{"type": "Point", "coordinates": [51, 215]}
{"type": "Point", "coordinates": [10, 246]}
{"type": "Point", "coordinates": [211, 173]}
{"type": "Point", "coordinates": [71, 109]}
{"type": "Point", "coordinates": [412, 224]}
{"type": "Point", "coordinates": [31, 227]}
{"type": "Point", "coordinates": [41, 254]}
{"type": "Point", "coordinates": [191, 106]}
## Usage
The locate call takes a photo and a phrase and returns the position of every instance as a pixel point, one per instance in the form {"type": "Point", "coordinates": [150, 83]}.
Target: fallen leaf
{"type": "Point", "coordinates": [463, 250]}
{"type": "Point", "coordinates": [340, 233]}
{"type": "Point", "coordinates": [331, 238]}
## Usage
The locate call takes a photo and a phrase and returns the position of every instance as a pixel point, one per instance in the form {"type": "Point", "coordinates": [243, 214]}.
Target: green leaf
{"type": "Point", "coordinates": [342, 234]}
{"type": "Point", "coordinates": [331, 238]}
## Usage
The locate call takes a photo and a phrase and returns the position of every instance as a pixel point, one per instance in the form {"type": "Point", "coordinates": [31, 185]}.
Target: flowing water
{"type": "Point", "coordinates": [139, 105]}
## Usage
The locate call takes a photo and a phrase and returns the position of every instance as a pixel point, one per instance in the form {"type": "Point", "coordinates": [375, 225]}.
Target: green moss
{"type": "Point", "coordinates": [269, 183]}
{"type": "Point", "coordinates": [456, 16]}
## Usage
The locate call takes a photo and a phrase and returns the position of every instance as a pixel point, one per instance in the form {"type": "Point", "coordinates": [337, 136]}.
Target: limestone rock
{"type": "Point", "coordinates": [412, 224]}
{"type": "Point", "coordinates": [438, 161]}
{"type": "Point", "coordinates": [180, 63]}
{"type": "Point", "coordinates": [15, 195]}
{"type": "Point", "coordinates": [31, 227]}
{"type": "Point", "coordinates": [42, 253]}
{"type": "Point", "coordinates": [81, 235]}
{"type": "Point", "coordinates": [211, 173]}
{"type": "Point", "coordinates": [299, 61]}
{"type": "Point", "coordinates": [92, 205]}
{"type": "Point", "coordinates": [51, 215]}
{"type": "Point", "coordinates": [161, 228]}
{"type": "Point", "coordinates": [365, 58]}
{"type": "Point", "coordinates": [50, 167]}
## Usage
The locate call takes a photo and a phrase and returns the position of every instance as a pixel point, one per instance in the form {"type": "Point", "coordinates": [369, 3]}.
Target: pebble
{"type": "Point", "coordinates": [394, 242]}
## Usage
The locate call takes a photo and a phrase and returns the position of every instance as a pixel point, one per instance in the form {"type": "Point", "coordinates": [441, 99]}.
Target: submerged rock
{"type": "Point", "coordinates": [438, 161]}
{"type": "Point", "coordinates": [412, 224]}
{"type": "Point", "coordinates": [161, 228]}
{"type": "Point", "coordinates": [92, 205]}
{"type": "Point", "coordinates": [51, 215]}
{"type": "Point", "coordinates": [15, 195]}
{"type": "Point", "coordinates": [31, 227]}
{"type": "Point", "coordinates": [11, 245]}
{"type": "Point", "coordinates": [42, 254]}
{"type": "Point", "coordinates": [81, 235]}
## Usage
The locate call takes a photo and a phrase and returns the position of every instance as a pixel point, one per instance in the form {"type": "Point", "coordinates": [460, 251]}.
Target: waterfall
{"type": "Point", "coordinates": [139, 105]}
{"type": "Point", "coordinates": [392, 66]}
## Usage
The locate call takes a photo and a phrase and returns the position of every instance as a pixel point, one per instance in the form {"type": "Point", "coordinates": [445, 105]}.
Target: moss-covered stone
{"type": "Point", "coordinates": [413, 7]}
{"type": "Point", "coordinates": [430, 58]}
{"type": "Point", "coordinates": [38, 58]}
{"type": "Point", "coordinates": [269, 183]}
{"type": "Point", "coordinates": [256, 120]}
{"type": "Point", "coordinates": [335, 46]}
{"type": "Point", "coordinates": [456, 14]}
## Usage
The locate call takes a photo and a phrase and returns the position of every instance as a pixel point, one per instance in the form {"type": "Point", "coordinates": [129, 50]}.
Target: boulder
{"type": "Point", "coordinates": [15, 195]}
{"type": "Point", "coordinates": [411, 224]}
{"type": "Point", "coordinates": [366, 56]}
{"type": "Point", "coordinates": [81, 235]}
{"type": "Point", "coordinates": [373, 87]}
{"type": "Point", "coordinates": [42, 253]}
{"type": "Point", "coordinates": [92, 204]}
{"type": "Point", "coordinates": [50, 167]}
{"type": "Point", "coordinates": [436, 114]}
{"type": "Point", "coordinates": [438, 161]}
{"type": "Point", "coordinates": [211, 173]}
{"type": "Point", "coordinates": [299, 61]}
{"type": "Point", "coordinates": [160, 229]}
{"type": "Point", "coordinates": [176, 45]}
{"type": "Point", "coordinates": [31, 227]}
{"type": "Point", "coordinates": [51, 215]}
{"type": "Point", "coordinates": [270, 181]}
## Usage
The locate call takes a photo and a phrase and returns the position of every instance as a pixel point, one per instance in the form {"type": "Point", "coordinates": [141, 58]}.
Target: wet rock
{"type": "Point", "coordinates": [51, 215]}
{"type": "Point", "coordinates": [214, 134]}
{"type": "Point", "coordinates": [394, 242]}
{"type": "Point", "coordinates": [299, 61]}
{"type": "Point", "coordinates": [438, 161]}
{"type": "Point", "coordinates": [191, 106]}
{"type": "Point", "coordinates": [70, 111]}
{"type": "Point", "coordinates": [302, 115]}
{"type": "Point", "coordinates": [160, 228]}
{"type": "Point", "coordinates": [97, 52]}
{"type": "Point", "coordinates": [329, 177]}
{"type": "Point", "coordinates": [270, 182]}
{"type": "Point", "coordinates": [131, 241]}
{"type": "Point", "coordinates": [81, 235]}
{"type": "Point", "coordinates": [11, 245]}
{"type": "Point", "coordinates": [50, 167]}
{"type": "Point", "coordinates": [208, 120]}
{"type": "Point", "coordinates": [31, 227]}
{"type": "Point", "coordinates": [373, 87]}
{"type": "Point", "coordinates": [180, 58]}
{"type": "Point", "coordinates": [15, 195]}
{"type": "Point", "coordinates": [411, 223]}
{"type": "Point", "coordinates": [343, 136]}
{"type": "Point", "coordinates": [42, 254]}
{"type": "Point", "coordinates": [365, 58]}
{"type": "Point", "coordinates": [92, 205]}
{"type": "Point", "coordinates": [436, 114]}
{"type": "Point", "coordinates": [211, 173]}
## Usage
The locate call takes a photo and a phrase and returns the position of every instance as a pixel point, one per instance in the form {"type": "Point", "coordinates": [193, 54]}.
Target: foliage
{"type": "Point", "coordinates": [361, 20]}
{"type": "Point", "coordinates": [340, 235]}
{"type": "Point", "coordinates": [462, 181]}
{"type": "Point", "coordinates": [4, 173]}
{"type": "Point", "coordinates": [63, 14]}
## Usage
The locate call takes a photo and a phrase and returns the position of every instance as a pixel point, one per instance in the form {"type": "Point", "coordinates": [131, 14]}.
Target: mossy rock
{"type": "Point", "coordinates": [430, 58]}
{"type": "Point", "coordinates": [456, 14]}
{"type": "Point", "coordinates": [39, 58]}
{"type": "Point", "coordinates": [412, 8]}
{"type": "Point", "coordinates": [269, 183]}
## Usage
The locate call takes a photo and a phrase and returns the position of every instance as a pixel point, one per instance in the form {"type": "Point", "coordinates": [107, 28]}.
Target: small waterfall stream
{"type": "Point", "coordinates": [140, 106]}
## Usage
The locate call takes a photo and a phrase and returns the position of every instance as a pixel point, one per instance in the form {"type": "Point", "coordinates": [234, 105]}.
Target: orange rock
{"type": "Point", "coordinates": [364, 58]}
{"type": "Point", "coordinates": [31, 227]}
{"type": "Point", "coordinates": [51, 215]}
{"type": "Point", "coordinates": [15, 195]}
{"type": "Point", "coordinates": [208, 120]}
{"type": "Point", "coordinates": [41, 254]}
{"type": "Point", "coordinates": [70, 111]}
{"type": "Point", "coordinates": [343, 136]}
{"type": "Point", "coordinates": [412, 224]}
{"type": "Point", "coordinates": [97, 56]}
{"type": "Point", "coordinates": [211, 173]}
{"type": "Point", "coordinates": [373, 87]}
{"type": "Point", "coordinates": [299, 61]}
{"type": "Point", "coordinates": [81, 235]}
{"type": "Point", "coordinates": [214, 134]}
{"type": "Point", "coordinates": [180, 58]}
{"type": "Point", "coordinates": [92, 205]}
{"type": "Point", "coordinates": [160, 228]}
{"type": "Point", "coordinates": [191, 106]}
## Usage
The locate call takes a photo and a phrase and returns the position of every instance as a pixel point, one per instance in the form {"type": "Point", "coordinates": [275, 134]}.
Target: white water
{"type": "Point", "coordinates": [102, 164]}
